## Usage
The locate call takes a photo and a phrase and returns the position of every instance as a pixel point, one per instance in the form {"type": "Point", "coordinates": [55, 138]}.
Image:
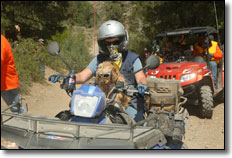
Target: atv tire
{"type": "Point", "coordinates": [206, 102]}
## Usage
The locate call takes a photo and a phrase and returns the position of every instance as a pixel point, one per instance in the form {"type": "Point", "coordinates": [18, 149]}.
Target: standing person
{"type": "Point", "coordinates": [145, 54]}
{"type": "Point", "coordinates": [112, 41]}
{"type": "Point", "coordinates": [9, 77]}
{"type": "Point", "coordinates": [215, 53]}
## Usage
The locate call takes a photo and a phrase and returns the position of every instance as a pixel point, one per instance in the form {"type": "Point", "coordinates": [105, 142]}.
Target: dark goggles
{"type": "Point", "coordinates": [117, 42]}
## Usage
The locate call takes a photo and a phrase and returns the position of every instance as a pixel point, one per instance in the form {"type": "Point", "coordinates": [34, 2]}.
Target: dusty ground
{"type": "Point", "coordinates": [49, 99]}
{"type": "Point", "coordinates": [206, 133]}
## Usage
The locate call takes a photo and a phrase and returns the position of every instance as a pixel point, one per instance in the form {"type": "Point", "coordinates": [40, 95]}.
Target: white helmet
{"type": "Point", "coordinates": [111, 29]}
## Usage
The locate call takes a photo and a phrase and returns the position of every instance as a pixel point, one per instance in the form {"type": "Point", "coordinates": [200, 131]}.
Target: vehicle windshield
{"type": "Point", "coordinates": [177, 48]}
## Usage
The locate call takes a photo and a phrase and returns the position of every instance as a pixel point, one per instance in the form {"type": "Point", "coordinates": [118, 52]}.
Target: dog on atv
{"type": "Point", "coordinates": [106, 77]}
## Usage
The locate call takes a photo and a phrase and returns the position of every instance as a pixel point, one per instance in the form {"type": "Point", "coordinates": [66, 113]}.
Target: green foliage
{"type": "Point", "coordinates": [39, 18]}
{"type": "Point", "coordinates": [114, 10]}
{"type": "Point", "coordinates": [73, 48]}
{"type": "Point", "coordinates": [44, 18]}
{"type": "Point", "coordinates": [152, 17]}
{"type": "Point", "coordinates": [80, 13]}
{"type": "Point", "coordinates": [27, 55]}
{"type": "Point", "coordinates": [136, 38]}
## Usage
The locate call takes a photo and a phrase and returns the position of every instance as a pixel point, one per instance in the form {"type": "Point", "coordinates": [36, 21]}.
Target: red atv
{"type": "Point", "coordinates": [193, 72]}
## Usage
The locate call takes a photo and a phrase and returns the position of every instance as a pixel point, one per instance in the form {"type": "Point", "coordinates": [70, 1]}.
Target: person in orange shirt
{"type": "Point", "coordinates": [215, 53]}
{"type": "Point", "coordinates": [9, 77]}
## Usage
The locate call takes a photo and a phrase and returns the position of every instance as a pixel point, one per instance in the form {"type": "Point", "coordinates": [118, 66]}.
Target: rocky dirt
{"type": "Point", "coordinates": [206, 133]}
{"type": "Point", "coordinates": [48, 99]}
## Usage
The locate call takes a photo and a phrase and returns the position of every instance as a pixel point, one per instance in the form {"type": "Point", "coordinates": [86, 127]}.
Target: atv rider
{"type": "Point", "coordinates": [215, 53]}
{"type": "Point", "coordinates": [145, 55]}
{"type": "Point", "coordinates": [156, 51]}
{"type": "Point", "coordinates": [169, 54]}
{"type": "Point", "coordinates": [112, 41]}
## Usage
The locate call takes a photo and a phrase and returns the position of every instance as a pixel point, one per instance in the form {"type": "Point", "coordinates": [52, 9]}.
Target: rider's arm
{"type": "Point", "coordinates": [140, 77]}
{"type": "Point", "coordinates": [87, 73]}
{"type": "Point", "coordinates": [83, 76]}
{"type": "Point", "coordinates": [138, 71]}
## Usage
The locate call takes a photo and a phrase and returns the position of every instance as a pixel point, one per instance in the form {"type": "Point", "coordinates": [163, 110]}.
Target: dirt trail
{"type": "Point", "coordinates": [48, 99]}
{"type": "Point", "coordinates": [206, 133]}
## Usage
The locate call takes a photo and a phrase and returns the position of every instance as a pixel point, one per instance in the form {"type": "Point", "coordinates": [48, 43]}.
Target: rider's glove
{"type": "Point", "coordinates": [53, 78]}
{"type": "Point", "coordinates": [142, 88]}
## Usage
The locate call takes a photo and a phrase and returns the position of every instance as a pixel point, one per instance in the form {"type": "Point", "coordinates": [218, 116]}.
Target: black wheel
{"type": "Point", "coordinates": [206, 102]}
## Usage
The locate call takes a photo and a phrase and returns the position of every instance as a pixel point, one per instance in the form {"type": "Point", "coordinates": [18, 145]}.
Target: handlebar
{"type": "Point", "coordinates": [69, 81]}
{"type": "Point", "coordinates": [132, 92]}
{"type": "Point", "coordinates": [125, 90]}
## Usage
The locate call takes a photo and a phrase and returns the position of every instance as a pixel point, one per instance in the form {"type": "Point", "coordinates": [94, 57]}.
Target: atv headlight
{"type": "Point", "coordinates": [151, 76]}
{"type": "Point", "coordinates": [187, 77]}
{"type": "Point", "coordinates": [84, 106]}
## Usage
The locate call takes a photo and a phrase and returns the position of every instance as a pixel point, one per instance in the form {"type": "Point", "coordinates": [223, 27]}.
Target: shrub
{"type": "Point", "coordinates": [137, 42]}
{"type": "Point", "coordinates": [73, 48]}
{"type": "Point", "coordinates": [27, 55]}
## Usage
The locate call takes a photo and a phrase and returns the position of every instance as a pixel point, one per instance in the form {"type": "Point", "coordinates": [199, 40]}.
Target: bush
{"type": "Point", "coordinates": [137, 42]}
{"type": "Point", "coordinates": [27, 55]}
{"type": "Point", "coordinates": [80, 13]}
{"type": "Point", "coordinates": [73, 48]}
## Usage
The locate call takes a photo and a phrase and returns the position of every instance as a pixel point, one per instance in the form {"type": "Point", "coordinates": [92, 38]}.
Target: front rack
{"type": "Point", "coordinates": [55, 129]}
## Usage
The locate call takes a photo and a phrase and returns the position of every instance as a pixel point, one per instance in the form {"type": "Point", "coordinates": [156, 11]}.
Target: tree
{"type": "Point", "coordinates": [41, 18]}
{"type": "Point", "coordinates": [154, 17]}
{"type": "Point", "coordinates": [80, 13]}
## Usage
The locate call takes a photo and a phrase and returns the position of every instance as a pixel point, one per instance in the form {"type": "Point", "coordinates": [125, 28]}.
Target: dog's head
{"type": "Point", "coordinates": [107, 73]}
{"type": "Point", "coordinates": [106, 76]}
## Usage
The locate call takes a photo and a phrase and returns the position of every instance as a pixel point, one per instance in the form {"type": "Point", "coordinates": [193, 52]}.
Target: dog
{"type": "Point", "coordinates": [106, 76]}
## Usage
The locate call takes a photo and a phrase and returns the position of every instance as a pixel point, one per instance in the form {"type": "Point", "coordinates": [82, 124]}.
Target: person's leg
{"type": "Point", "coordinates": [12, 97]}
{"type": "Point", "coordinates": [131, 111]}
{"type": "Point", "coordinates": [137, 115]}
{"type": "Point", "coordinates": [213, 68]}
{"type": "Point", "coordinates": [136, 109]}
